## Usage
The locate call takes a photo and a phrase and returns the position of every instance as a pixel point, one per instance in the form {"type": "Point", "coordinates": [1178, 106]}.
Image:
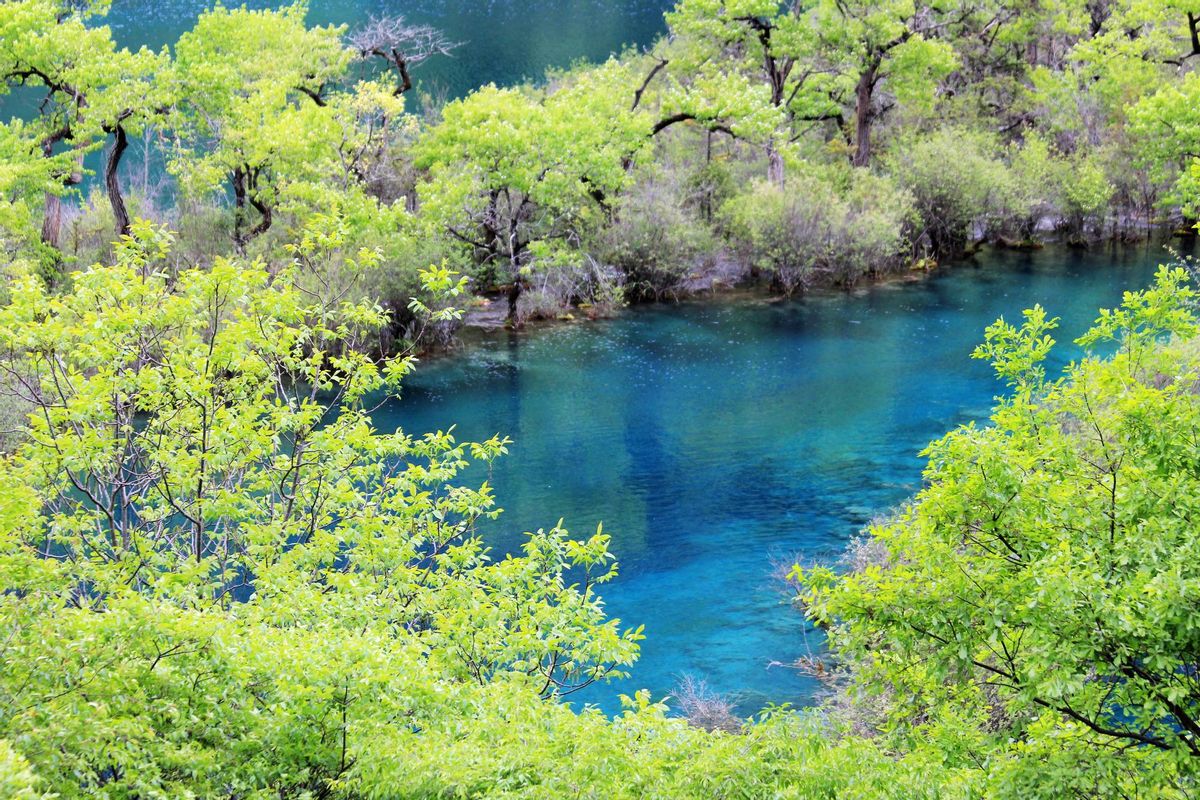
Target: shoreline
{"type": "Point", "coordinates": [752, 290]}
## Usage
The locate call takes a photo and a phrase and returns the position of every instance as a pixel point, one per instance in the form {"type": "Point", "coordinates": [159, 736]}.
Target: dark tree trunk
{"type": "Point", "coordinates": [239, 208]}
{"type": "Point", "coordinates": [864, 95]}
{"type": "Point", "coordinates": [514, 294]}
{"type": "Point", "coordinates": [245, 186]}
{"type": "Point", "coordinates": [113, 184]}
{"type": "Point", "coordinates": [405, 79]}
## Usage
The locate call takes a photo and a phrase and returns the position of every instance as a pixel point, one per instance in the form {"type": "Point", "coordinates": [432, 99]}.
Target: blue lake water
{"type": "Point", "coordinates": [716, 440]}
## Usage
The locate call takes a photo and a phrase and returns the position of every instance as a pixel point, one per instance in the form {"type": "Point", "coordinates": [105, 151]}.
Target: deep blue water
{"type": "Point", "coordinates": [717, 439]}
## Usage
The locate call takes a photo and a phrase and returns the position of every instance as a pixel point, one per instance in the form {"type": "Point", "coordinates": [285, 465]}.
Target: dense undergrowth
{"type": "Point", "coordinates": [219, 579]}
{"type": "Point", "coordinates": [792, 144]}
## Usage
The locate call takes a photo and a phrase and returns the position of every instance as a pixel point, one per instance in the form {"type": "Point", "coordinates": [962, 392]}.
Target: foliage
{"type": "Point", "coordinates": [202, 500]}
{"type": "Point", "coordinates": [658, 237]}
{"type": "Point", "coordinates": [518, 182]}
{"type": "Point", "coordinates": [1167, 126]}
{"type": "Point", "coordinates": [221, 579]}
{"type": "Point", "coordinates": [17, 780]}
{"type": "Point", "coordinates": [822, 234]}
{"type": "Point", "coordinates": [1034, 598]}
{"type": "Point", "coordinates": [958, 184]}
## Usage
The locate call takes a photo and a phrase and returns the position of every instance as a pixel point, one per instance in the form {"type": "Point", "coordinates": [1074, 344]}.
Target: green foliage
{"type": "Point", "coordinates": [241, 75]}
{"type": "Point", "coordinates": [89, 87]}
{"type": "Point", "coordinates": [202, 500]}
{"type": "Point", "coordinates": [17, 780]}
{"type": "Point", "coordinates": [659, 237]}
{"type": "Point", "coordinates": [1167, 127]}
{"type": "Point", "coordinates": [958, 184]}
{"type": "Point", "coordinates": [823, 234]}
{"type": "Point", "coordinates": [516, 181]}
{"type": "Point", "coordinates": [759, 69]}
{"type": "Point", "coordinates": [1086, 192]}
{"type": "Point", "coordinates": [1035, 596]}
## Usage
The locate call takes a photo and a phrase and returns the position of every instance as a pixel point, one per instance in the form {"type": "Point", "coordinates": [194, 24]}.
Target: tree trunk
{"type": "Point", "coordinates": [863, 96]}
{"type": "Point", "coordinates": [53, 210]}
{"type": "Point", "coordinates": [514, 294]}
{"type": "Point", "coordinates": [52, 221]}
{"type": "Point", "coordinates": [113, 184]}
{"type": "Point", "coordinates": [245, 188]}
{"type": "Point", "coordinates": [706, 198]}
{"type": "Point", "coordinates": [774, 165]}
{"type": "Point", "coordinates": [239, 209]}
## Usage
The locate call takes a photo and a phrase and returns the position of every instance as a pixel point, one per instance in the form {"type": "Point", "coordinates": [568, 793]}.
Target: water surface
{"type": "Point", "coordinates": [716, 440]}
{"type": "Point", "coordinates": [503, 41]}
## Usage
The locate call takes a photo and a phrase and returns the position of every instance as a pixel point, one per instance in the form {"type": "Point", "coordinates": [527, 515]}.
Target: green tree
{"type": "Point", "coordinates": [1035, 597]}
{"type": "Point", "coordinates": [253, 107]}
{"type": "Point", "coordinates": [816, 61]}
{"type": "Point", "coordinates": [92, 88]}
{"type": "Point", "coordinates": [517, 181]}
{"type": "Point", "coordinates": [201, 498]}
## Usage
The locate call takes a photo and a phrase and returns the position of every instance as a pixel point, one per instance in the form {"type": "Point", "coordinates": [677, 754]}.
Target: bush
{"type": "Point", "coordinates": [552, 291]}
{"type": "Point", "coordinates": [1086, 193]}
{"type": "Point", "coordinates": [658, 236]}
{"type": "Point", "coordinates": [823, 232]}
{"type": "Point", "coordinates": [958, 183]}
{"type": "Point", "coordinates": [1035, 174]}
{"type": "Point", "coordinates": [704, 708]}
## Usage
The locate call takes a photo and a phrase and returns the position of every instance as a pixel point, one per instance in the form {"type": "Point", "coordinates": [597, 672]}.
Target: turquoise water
{"type": "Point", "coordinates": [717, 439]}
{"type": "Point", "coordinates": [503, 41]}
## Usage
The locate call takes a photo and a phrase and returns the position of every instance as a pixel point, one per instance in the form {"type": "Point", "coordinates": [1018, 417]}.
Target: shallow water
{"type": "Point", "coordinates": [718, 439]}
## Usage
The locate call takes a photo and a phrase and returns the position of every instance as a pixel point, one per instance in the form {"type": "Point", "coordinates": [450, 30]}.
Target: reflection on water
{"type": "Point", "coordinates": [717, 440]}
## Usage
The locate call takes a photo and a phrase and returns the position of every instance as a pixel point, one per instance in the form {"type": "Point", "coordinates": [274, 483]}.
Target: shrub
{"type": "Point", "coordinates": [815, 230]}
{"type": "Point", "coordinates": [1034, 176]}
{"type": "Point", "coordinates": [658, 236]}
{"type": "Point", "coordinates": [705, 709]}
{"type": "Point", "coordinates": [958, 183]}
{"type": "Point", "coordinates": [1086, 193]}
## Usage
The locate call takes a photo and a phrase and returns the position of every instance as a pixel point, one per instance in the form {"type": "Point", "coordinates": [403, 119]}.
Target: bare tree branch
{"type": "Point", "coordinates": [401, 45]}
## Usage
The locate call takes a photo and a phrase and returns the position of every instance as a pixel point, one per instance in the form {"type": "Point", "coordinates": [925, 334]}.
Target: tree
{"type": "Point", "coordinates": [1037, 593]}
{"type": "Point", "coordinates": [27, 176]}
{"type": "Point", "coordinates": [92, 90]}
{"type": "Point", "coordinates": [400, 45]}
{"type": "Point", "coordinates": [817, 59]}
{"type": "Point", "coordinates": [204, 538]}
{"type": "Point", "coordinates": [875, 45]}
{"type": "Point", "coordinates": [253, 91]}
{"type": "Point", "coordinates": [1166, 125]}
{"type": "Point", "coordinates": [517, 181]}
